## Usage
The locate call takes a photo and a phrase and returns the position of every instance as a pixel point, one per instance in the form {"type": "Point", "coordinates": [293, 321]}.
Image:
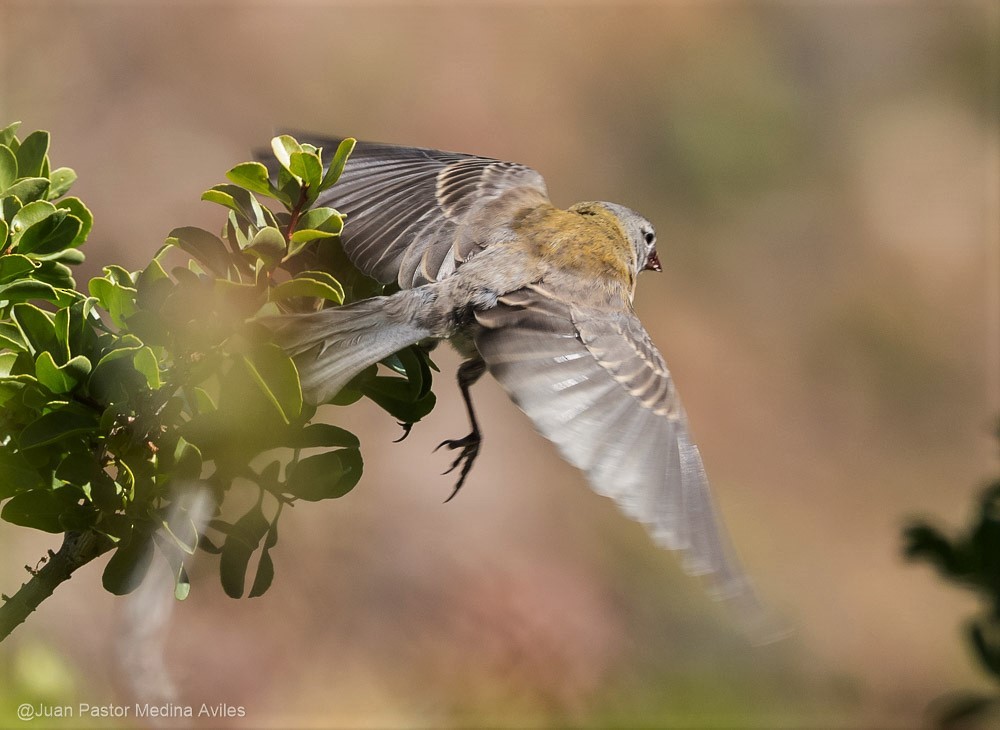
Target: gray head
{"type": "Point", "coordinates": [640, 233]}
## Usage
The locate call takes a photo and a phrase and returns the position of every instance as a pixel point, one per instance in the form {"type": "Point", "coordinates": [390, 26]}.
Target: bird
{"type": "Point", "coordinates": [541, 298]}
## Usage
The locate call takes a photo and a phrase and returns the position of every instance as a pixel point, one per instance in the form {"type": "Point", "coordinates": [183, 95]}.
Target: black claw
{"type": "Point", "coordinates": [469, 446]}
{"type": "Point", "coordinates": [407, 427]}
{"type": "Point", "coordinates": [454, 492]}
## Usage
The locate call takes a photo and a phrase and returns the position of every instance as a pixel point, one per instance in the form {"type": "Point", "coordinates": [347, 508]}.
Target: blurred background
{"type": "Point", "coordinates": [824, 178]}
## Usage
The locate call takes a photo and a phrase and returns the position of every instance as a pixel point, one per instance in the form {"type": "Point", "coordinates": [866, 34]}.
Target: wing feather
{"type": "Point", "coordinates": [406, 206]}
{"type": "Point", "coordinates": [595, 385]}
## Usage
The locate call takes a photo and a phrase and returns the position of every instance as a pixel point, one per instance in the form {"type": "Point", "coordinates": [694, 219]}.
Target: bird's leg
{"type": "Point", "coordinates": [468, 373]}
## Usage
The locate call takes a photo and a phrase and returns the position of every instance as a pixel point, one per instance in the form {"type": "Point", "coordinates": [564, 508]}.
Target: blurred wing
{"type": "Point", "coordinates": [595, 385]}
{"type": "Point", "coordinates": [406, 205]}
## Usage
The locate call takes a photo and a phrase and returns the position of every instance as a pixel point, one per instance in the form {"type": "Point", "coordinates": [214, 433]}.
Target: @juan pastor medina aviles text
{"type": "Point", "coordinates": [137, 710]}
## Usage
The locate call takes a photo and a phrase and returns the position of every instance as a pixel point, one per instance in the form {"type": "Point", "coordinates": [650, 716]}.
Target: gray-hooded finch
{"type": "Point", "coordinates": [542, 299]}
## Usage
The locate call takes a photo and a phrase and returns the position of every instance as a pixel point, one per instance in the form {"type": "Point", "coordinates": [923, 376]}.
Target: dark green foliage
{"type": "Point", "coordinates": [970, 559]}
{"type": "Point", "coordinates": [113, 401]}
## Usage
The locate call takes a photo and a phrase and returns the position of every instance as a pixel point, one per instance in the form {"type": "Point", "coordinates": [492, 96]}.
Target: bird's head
{"type": "Point", "coordinates": [640, 234]}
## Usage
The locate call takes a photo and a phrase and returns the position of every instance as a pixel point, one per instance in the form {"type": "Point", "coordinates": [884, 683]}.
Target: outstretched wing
{"type": "Point", "coordinates": [595, 385]}
{"type": "Point", "coordinates": [406, 206]}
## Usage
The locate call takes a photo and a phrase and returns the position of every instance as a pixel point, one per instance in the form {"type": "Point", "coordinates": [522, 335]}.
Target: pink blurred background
{"type": "Point", "coordinates": [824, 179]}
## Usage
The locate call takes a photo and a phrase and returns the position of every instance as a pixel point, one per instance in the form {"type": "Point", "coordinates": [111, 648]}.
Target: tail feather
{"type": "Point", "coordinates": [332, 346]}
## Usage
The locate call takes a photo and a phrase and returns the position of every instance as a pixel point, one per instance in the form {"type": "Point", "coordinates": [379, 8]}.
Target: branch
{"type": "Point", "coordinates": [78, 549]}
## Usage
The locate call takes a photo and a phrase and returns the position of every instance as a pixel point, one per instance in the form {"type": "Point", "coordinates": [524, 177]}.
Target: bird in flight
{"type": "Point", "coordinates": [539, 297]}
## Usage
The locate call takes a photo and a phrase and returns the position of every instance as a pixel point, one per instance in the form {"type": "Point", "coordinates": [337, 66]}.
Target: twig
{"type": "Point", "coordinates": [78, 549]}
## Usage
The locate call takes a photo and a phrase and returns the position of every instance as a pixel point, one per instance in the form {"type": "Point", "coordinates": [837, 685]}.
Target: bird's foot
{"type": "Point", "coordinates": [469, 446]}
{"type": "Point", "coordinates": [407, 427]}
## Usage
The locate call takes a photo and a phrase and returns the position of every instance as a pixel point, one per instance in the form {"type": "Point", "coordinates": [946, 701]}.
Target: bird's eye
{"type": "Point", "coordinates": [650, 237]}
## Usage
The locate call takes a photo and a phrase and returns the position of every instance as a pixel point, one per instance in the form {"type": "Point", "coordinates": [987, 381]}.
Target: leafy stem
{"type": "Point", "coordinates": [78, 549]}
{"type": "Point", "coordinates": [296, 212]}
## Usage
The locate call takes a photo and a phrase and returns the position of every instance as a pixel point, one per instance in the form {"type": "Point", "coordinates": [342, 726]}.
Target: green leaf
{"type": "Point", "coordinates": [36, 328]}
{"type": "Point", "coordinates": [265, 568]}
{"type": "Point", "coordinates": [30, 215]}
{"type": "Point", "coordinates": [10, 336]}
{"type": "Point", "coordinates": [9, 206]}
{"type": "Point", "coordinates": [283, 147]}
{"type": "Point", "coordinates": [304, 287]}
{"type": "Point", "coordinates": [336, 167]}
{"type": "Point", "coordinates": [183, 532]}
{"type": "Point", "coordinates": [129, 564]}
{"type": "Point", "coordinates": [214, 195]}
{"type": "Point", "coordinates": [16, 474]}
{"type": "Point", "coordinates": [323, 278]}
{"type": "Point", "coordinates": [78, 468]}
{"type": "Point", "coordinates": [57, 274]}
{"type": "Point", "coordinates": [327, 220]}
{"type": "Point", "coordinates": [29, 290]}
{"type": "Point", "coordinates": [146, 363]}
{"type": "Point", "coordinates": [62, 180]}
{"type": "Point", "coordinates": [414, 364]}
{"type": "Point", "coordinates": [10, 388]}
{"type": "Point", "coordinates": [396, 396]}
{"type": "Point", "coordinates": [187, 461]}
{"type": "Point", "coordinates": [31, 154]}
{"type": "Point", "coordinates": [238, 231]}
{"type": "Point", "coordinates": [253, 177]}
{"type": "Point", "coordinates": [319, 435]}
{"type": "Point", "coordinates": [8, 132]}
{"type": "Point", "coordinates": [81, 333]}
{"type": "Point", "coordinates": [8, 168]}
{"type": "Point", "coordinates": [239, 297]}
{"type": "Point", "coordinates": [119, 301]}
{"type": "Point", "coordinates": [115, 377]}
{"type": "Point", "coordinates": [119, 275]}
{"type": "Point", "coordinates": [60, 325]}
{"type": "Point", "coordinates": [41, 509]}
{"type": "Point", "coordinates": [268, 477]}
{"type": "Point", "coordinates": [52, 235]}
{"type": "Point", "coordinates": [124, 347]}
{"type": "Point", "coordinates": [116, 526]}
{"type": "Point", "coordinates": [175, 557]}
{"type": "Point", "coordinates": [153, 286]}
{"type": "Point", "coordinates": [265, 575]}
{"type": "Point", "coordinates": [13, 265]}
{"type": "Point", "coordinates": [243, 203]}
{"type": "Point", "coordinates": [306, 165]}
{"type": "Point", "coordinates": [289, 188]}
{"type": "Point", "coordinates": [325, 476]}
{"type": "Point", "coordinates": [242, 540]}
{"type": "Point", "coordinates": [77, 209]}
{"type": "Point", "coordinates": [269, 245]}
{"type": "Point", "coordinates": [78, 367]}
{"type": "Point", "coordinates": [7, 362]}
{"type": "Point", "coordinates": [278, 379]}
{"type": "Point", "coordinates": [203, 401]}
{"type": "Point", "coordinates": [182, 587]}
{"type": "Point", "coordinates": [57, 425]}
{"type": "Point", "coordinates": [28, 189]}
{"type": "Point", "coordinates": [203, 246]}
{"type": "Point", "coordinates": [204, 543]}
{"type": "Point", "coordinates": [69, 257]}
{"type": "Point", "coordinates": [61, 379]}
{"type": "Point", "coordinates": [306, 235]}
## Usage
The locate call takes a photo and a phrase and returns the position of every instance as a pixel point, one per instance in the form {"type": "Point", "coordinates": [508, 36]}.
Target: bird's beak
{"type": "Point", "coordinates": [653, 262]}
